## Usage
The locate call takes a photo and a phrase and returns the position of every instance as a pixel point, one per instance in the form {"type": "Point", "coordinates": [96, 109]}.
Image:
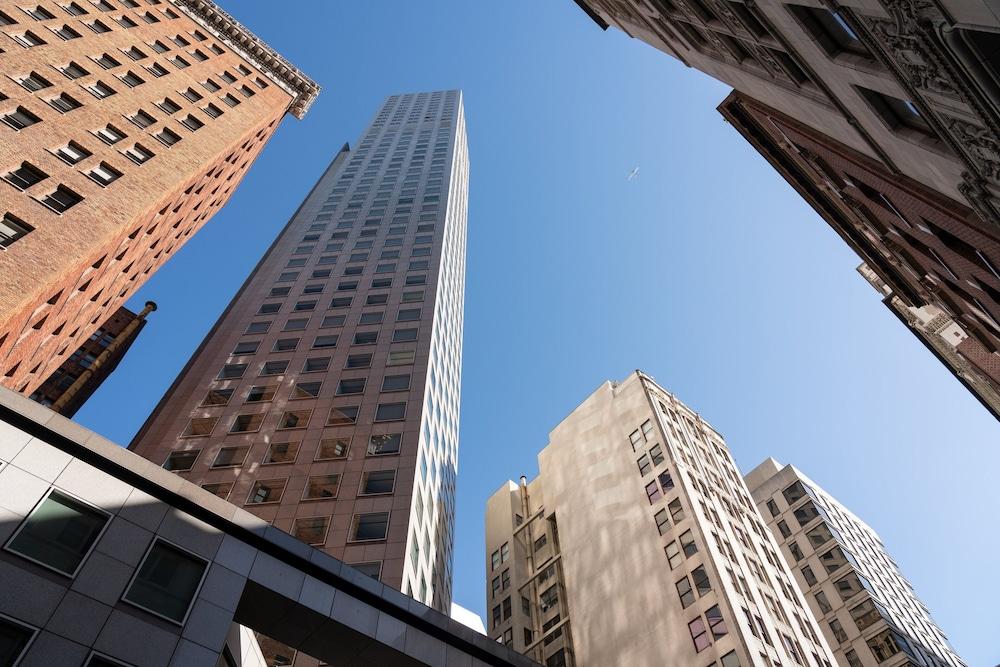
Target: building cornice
{"type": "Point", "coordinates": [234, 34]}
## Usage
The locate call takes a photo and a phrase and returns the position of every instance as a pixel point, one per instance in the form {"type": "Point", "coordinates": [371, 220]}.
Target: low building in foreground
{"type": "Point", "coordinates": [868, 610]}
{"type": "Point", "coordinates": [639, 544]}
{"type": "Point", "coordinates": [109, 560]}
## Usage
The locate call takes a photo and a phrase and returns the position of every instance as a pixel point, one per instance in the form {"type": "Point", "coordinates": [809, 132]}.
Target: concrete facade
{"type": "Point", "coordinates": [332, 379]}
{"type": "Point", "coordinates": [869, 612]}
{"type": "Point", "coordinates": [124, 126]}
{"type": "Point", "coordinates": [139, 568]}
{"type": "Point", "coordinates": [638, 544]}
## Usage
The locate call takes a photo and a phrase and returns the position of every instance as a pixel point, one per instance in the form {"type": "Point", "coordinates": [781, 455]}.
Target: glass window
{"type": "Point", "coordinates": [685, 592]}
{"type": "Point", "coordinates": [261, 393]}
{"type": "Point", "coordinates": [180, 461]}
{"type": "Point", "coordinates": [662, 523]}
{"type": "Point", "coordinates": [59, 533]}
{"type": "Point", "coordinates": [266, 491]}
{"type": "Point", "coordinates": [378, 481]}
{"type": "Point", "coordinates": [281, 452]}
{"type": "Point", "coordinates": [806, 513]}
{"type": "Point", "coordinates": [230, 457]}
{"type": "Point", "coordinates": [14, 637]}
{"type": "Point", "coordinates": [333, 448]}
{"type": "Point", "coordinates": [716, 623]}
{"type": "Point", "coordinates": [676, 510]}
{"type": "Point", "coordinates": [311, 530]}
{"type": "Point", "coordinates": [865, 615]}
{"type": "Point", "coordinates": [794, 493]}
{"type": "Point", "coordinates": [699, 634]}
{"type": "Point", "coordinates": [321, 486]}
{"type": "Point", "coordinates": [849, 586]}
{"type": "Point", "coordinates": [351, 386]}
{"type": "Point", "coordinates": [833, 559]}
{"type": "Point", "coordinates": [687, 544]}
{"type": "Point", "coordinates": [373, 526]}
{"type": "Point", "coordinates": [344, 414]}
{"type": "Point", "coordinates": [390, 412]}
{"type": "Point", "coordinates": [167, 581]}
{"type": "Point", "coordinates": [673, 554]}
{"type": "Point", "coordinates": [379, 445]}
{"type": "Point", "coordinates": [701, 581]}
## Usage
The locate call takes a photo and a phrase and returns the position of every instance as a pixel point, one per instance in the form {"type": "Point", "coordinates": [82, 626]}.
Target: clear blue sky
{"type": "Point", "coordinates": [707, 271]}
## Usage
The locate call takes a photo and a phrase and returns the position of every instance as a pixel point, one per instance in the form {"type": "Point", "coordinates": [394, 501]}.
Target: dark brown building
{"type": "Point", "coordinates": [124, 126]}
{"type": "Point", "coordinates": [94, 361]}
{"type": "Point", "coordinates": [936, 263]}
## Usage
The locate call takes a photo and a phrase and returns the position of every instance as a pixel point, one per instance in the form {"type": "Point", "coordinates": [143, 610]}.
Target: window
{"type": "Point", "coordinates": [259, 394]}
{"type": "Point", "coordinates": [716, 624]}
{"type": "Point", "coordinates": [311, 530]}
{"type": "Point", "coordinates": [396, 382]}
{"type": "Point", "coordinates": [321, 486]}
{"type": "Point", "coordinates": [20, 118]}
{"type": "Point", "coordinates": [73, 70]}
{"type": "Point", "coordinates": [64, 103]}
{"type": "Point", "coordinates": [685, 592]}
{"type": "Point", "coordinates": [168, 105]}
{"type": "Point", "coordinates": [15, 637]}
{"type": "Point", "coordinates": [372, 569]}
{"type": "Point", "coordinates": [131, 79]}
{"type": "Point", "coordinates": [549, 598]}
{"type": "Point", "coordinates": [653, 492]}
{"type": "Point", "coordinates": [373, 526]}
{"type": "Point", "coordinates": [167, 581]}
{"type": "Point", "coordinates": [390, 412]}
{"type": "Point", "coordinates": [266, 491]}
{"type": "Point", "coordinates": [819, 535]}
{"type": "Point", "coordinates": [167, 137]}
{"type": "Point", "coordinates": [230, 457]}
{"type": "Point", "coordinates": [247, 423]}
{"type": "Point", "coordinates": [731, 660]}
{"type": "Point", "coordinates": [273, 367]}
{"type": "Point", "coordinates": [666, 481]}
{"type": "Point", "coordinates": [342, 415]}
{"type": "Point", "coordinates": [199, 426]}
{"type": "Point", "coordinates": [377, 481]}
{"type": "Point", "coordinates": [404, 335]}
{"type": "Point", "coordinates": [25, 176]}
{"type": "Point", "coordinates": [61, 199]}
{"type": "Point", "coordinates": [142, 119]}
{"type": "Point", "coordinates": [294, 419]}
{"type": "Point", "coordinates": [138, 154]}
{"type": "Point", "coordinates": [212, 110]}
{"type": "Point", "coordinates": [849, 586]}
{"type": "Point", "coordinates": [217, 397]}
{"type": "Point", "coordinates": [316, 364]}
{"type": "Point", "coordinates": [306, 390]}
{"type": "Point", "coordinates": [12, 229]}
{"type": "Point", "coordinates": [676, 510]}
{"type": "Point", "coordinates": [400, 357]}
{"type": "Point", "coordinates": [830, 30]}
{"type": "Point", "coordinates": [351, 386]}
{"type": "Point", "coordinates": [110, 134]}
{"type": "Point", "coordinates": [673, 553]}
{"type": "Point", "coordinates": [865, 615]}
{"type": "Point", "coordinates": [100, 90]}
{"type": "Point", "coordinates": [687, 544]}
{"type": "Point", "coordinates": [72, 153]}
{"type": "Point", "coordinates": [104, 174]}
{"type": "Point", "coordinates": [192, 123]}
{"type": "Point", "coordinates": [28, 39]}
{"type": "Point", "coordinates": [838, 631]}
{"type": "Point", "coordinates": [898, 114]}
{"type": "Point", "coordinates": [59, 533]}
{"type": "Point", "coordinates": [783, 528]}
{"type": "Point", "coordinates": [34, 82]}
{"type": "Point", "coordinates": [333, 448]}
{"type": "Point", "coordinates": [382, 445]}
{"type": "Point", "coordinates": [662, 523]}
{"type": "Point", "coordinates": [834, 559]}
{"type": "Point", "coordinates": [701, 581]}
{"type": "Point", "coordinates": [699, 634]}
{"type": "Point", "coordinates": [281, 452]}
{"type": "Point", "coordinates": [325, 341]}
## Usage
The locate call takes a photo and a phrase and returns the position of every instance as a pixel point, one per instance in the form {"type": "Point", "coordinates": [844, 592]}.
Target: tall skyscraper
{"type": "Point", "coordinates": [638, 544]}
{"type": "Point", "coordinates": [897, 105]}
{"type": "Point", "coordinates": [868, 610]}
{"type": "Point", "coordinates": [124, 126]}
{"type": "Point", "coordinates": [326, 398]}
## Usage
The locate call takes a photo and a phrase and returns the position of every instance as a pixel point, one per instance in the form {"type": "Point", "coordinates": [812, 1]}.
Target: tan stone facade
{"type": "Point", "coordinates": [867, 608]}
{"type": "Point", "coordinates": [638, 544]}
{"type": "Point", "coordinates": [125, 127]}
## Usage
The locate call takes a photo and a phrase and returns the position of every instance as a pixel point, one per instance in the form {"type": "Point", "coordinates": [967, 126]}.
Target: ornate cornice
{"type": "Point", "coordinates": [235, 35]}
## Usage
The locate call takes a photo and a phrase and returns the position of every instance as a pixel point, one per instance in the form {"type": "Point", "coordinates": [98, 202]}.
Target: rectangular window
{"type": "Point", "coordinates": [20, 118]}
{"type": "Point", "coordinates": [382, 445]}
{"type": "Point", "coordinates": [320, 487]}
{"type": "Point", "coordinates": [390, 412]}
{"type": "Point", "coordinates": [261, 393]}
{"type": "Point", "coordinates": [230, 457]}
{"type": "Point", "coordinates": [247, 423]}
{"type": "Point", "coordinates": [373, 526]}
{"type": "Point", "coordinates": [61, 199]}
{"type": "Point", "coordinates": [342, 415]}
{"type": "Point", "coordinates": [12, 229]}
{"type": "Point", "coordinates": [294, 419]}
{"type": "Point", "coordinates": [138, 153]}
{"type": "Point", "coordinates": [311, 530]}
{"type": "Point", "coordinates": [281, 452]}
{"type": "Point", "coordinates": [332, 449]}
{"type": "Point", "coordinates": [266, 491]}
{"type": "Point", "coordinates": [15, 637]}
{"type": "Point", "coordinates": [167, 581]}
{"type": "Point", "coordinates": [351, 386]}
{"type": "Point", "coordinates": [59, 533]}
{"type": "Point", "coordinates": [199, 426]}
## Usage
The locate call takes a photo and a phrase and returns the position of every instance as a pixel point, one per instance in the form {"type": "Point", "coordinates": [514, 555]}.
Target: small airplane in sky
{"type": "Point", "coordinates": [632, 174]}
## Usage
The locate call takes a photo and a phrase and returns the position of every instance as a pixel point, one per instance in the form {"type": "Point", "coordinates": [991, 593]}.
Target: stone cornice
{"type": "Point", "coordinates": [235, 35]}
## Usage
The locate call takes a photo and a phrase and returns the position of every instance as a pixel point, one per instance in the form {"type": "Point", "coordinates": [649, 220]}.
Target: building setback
{"type": "Point", "coordinates": [897, 105]}
{"type": "Point", "coordinates": [108, 561]}
{"type": "Point", "coordinates": [65, 391]}
{"type": "Point", "coordinates": [325, 399]}
{"type": "Point", "coordinates": [868, 610]}
{"type": "Point", "coordinates": [638, 544]}
{"type": "Point", "coordinates": [124, 126]}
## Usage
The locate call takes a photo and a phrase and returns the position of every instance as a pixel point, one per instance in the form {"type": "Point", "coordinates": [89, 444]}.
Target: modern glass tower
{"type": "Point", "coordinates": [326, 398]}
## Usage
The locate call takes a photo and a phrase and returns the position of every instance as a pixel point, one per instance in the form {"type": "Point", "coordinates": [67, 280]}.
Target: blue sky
{"type": "Point", "coordinates": [707, 271]}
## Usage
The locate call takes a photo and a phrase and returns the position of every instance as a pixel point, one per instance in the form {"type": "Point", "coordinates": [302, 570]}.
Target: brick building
{"type": "Point", "coordinates": [124, 126]}
{"type": "Point", "coordinates": [933, 259]}
{"type": "Point", "coordinates": [326, 398]}
{"type": "Point", "coordinates": [901, 98]}
{"type": "Point", "coordinates": [92, 360]}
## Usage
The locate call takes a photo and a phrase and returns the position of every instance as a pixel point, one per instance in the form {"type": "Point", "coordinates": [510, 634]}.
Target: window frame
{"type": "Point", "coordinates": [194, 597]}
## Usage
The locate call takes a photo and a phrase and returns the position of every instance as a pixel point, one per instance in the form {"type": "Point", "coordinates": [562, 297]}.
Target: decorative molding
{"type": "Point", "coordinates": [237, 37]}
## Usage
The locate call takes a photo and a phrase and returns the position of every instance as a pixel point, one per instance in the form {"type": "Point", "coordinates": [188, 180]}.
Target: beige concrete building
{"type": "Point", "coordinates": [124, 126]}
{"type": "Point", "coordinates": [869, 612]}
{"type": "Point", "coordinates": [638, 544]}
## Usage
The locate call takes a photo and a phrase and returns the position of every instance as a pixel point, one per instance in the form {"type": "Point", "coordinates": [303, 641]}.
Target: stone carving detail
{"type": "Point", "coordinates": [981, 144]}
{"type": "Point", "coordinates": [906, 38]}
